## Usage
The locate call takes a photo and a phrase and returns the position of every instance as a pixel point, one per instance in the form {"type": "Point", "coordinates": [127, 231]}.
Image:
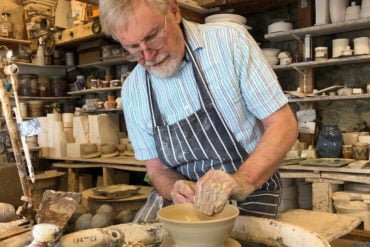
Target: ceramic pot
{"type": "Point", "coordinates": [330, 141]}
{"type": "Point", "coordinates": [110, 103]}
{"type": "Point", "coordinates": [322, 12]}
{"type": "Point", "coordinates": [337, 10]}
{"type": "Point", "coordinates": [361, 45]}
{"type": "Point", "coordinates": [339, 45]}
{"type": "Point", "coordinates": [360, 151]}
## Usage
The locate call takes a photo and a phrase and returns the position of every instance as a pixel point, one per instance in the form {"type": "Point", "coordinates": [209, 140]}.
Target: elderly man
{"type": "Point", "coordinates": [203, 109]}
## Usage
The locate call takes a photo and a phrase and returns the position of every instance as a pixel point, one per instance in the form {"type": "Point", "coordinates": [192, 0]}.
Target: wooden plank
{"type": "Point", "coordinates": [108, 176]}
{"type": "Point", "coordinates": [365, 179]}
{"type": "Point", "coordinates": [252, 6]}
{"type": "Point", "coordinates": [323, 180]}
{"type": "Point", "coordinates": [299, 174]}
{"type": "Point", "coordinates": [139, 168]}
{"type": "Point", "coordinates": [305, 13]}
{"type": "Point", "coordinates": [15, 231]}
{"type": "Point", "coordinates": [359, 235]}
{"type": "Point", "coordinates": [321, 196]}
{"type": "Point", "coordinates": [344, 169]}
{"type": "Point", "coordinates": [77, 165]}
{"type": "Point", "coordinates": [72, 180]}
{"type": "Point", "coordinates": [120, 160]}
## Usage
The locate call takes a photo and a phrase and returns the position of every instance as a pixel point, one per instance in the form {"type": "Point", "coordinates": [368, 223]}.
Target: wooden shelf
{"type": "Point", "coordinates": [44, 98]}
{"type": "Point", "coordinates": [102, 110]}
{"type": "Point", "coordinates": [44, 66]}
{"type": "Point", "coordinates": [94, 90]}
{"type": "Point", "coordinates": [15, 41]}
{"type": "Point", "coordinates": [330, 98]}
{"type": "Point", "coordinates": [106, 62]}
{"type": "Point", "coordinates": [130, 162]}
{"type": "Point", "coordinates": [330, 62]}
{"type": "Point", "coordinates": [319, 30]}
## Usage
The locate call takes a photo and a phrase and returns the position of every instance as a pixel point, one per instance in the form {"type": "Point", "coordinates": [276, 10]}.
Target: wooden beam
{"type": "Point", "coordinates": [305, 13]}
{"type": "Point", "coordinates": [251, 6]}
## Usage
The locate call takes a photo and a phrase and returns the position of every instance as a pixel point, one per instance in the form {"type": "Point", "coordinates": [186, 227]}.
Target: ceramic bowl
{"type": "Point", "coordinates": [279, 26]}
{"type": "Point", "coordinates": [190, 228]}
{"type": "Point", "coordinates": [121, 147]}
{"type": "Point", "coordinates": [89, 148]}
{"type": "Point", "coordinates": [270, 52]}
{"type": "Point", "coordinates": [226, 18]}
{"type": "Point", "coordinates": [108, 148]}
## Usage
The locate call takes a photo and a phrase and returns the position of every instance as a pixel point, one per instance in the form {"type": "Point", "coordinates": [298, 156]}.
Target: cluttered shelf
{"type": "Point", "coordinates": [15, 41]}
{"type": "Point", "coordinates": [330, 62]}
{"type": "Point", "coordinates": [125, 162]}
{"type": "Point", "coordinates": [108, 166]}
{"type": "Point", "coordinates": [330, 98]}
{"type": "Point", "coordinates": [94, 90]}
{"type": "Point", "coordinates": [318, 30]}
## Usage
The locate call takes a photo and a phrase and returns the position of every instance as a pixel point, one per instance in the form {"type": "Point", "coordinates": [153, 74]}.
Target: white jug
{"type": "Point", "coordinates": [322, 12]}
{"type": "Point", "coordinates": [337, 10]}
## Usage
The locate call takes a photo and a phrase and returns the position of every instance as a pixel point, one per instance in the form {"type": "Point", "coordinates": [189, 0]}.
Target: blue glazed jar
{"type": "Point", "coordinates": [330, 141]}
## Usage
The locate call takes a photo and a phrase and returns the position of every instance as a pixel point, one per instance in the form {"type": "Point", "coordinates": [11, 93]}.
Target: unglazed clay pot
{"type": "Point", "coordinates": [110, 103]}
{"type": "Point", "coordinates": [189, 228]}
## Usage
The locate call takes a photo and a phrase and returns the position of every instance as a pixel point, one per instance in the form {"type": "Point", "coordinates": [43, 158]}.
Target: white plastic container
{"type": "Point", "coordinates": [339, 46]}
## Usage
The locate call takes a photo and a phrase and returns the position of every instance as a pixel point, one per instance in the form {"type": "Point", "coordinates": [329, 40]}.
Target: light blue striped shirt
{"type": "Point", "coordinates": [243, 85]}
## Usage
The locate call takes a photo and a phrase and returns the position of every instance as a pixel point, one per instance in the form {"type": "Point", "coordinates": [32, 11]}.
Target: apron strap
{"type": "Point", "coordinates": [205, 95]}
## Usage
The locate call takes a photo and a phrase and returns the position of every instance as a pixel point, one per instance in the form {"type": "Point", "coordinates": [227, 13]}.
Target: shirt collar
{"type": "Point", "coordinates": [192, 35]}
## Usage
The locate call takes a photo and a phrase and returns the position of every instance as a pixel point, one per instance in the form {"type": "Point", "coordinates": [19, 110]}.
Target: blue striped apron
{"type": "Point", "coordinates": [201, 142]}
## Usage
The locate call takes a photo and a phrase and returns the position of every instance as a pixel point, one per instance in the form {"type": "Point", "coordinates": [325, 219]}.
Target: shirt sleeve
{"type": "Point", "coordinates": [137, 115]}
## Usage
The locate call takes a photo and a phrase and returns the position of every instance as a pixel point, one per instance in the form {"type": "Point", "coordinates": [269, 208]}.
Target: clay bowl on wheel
{"type": "Point", "coordinates": [190, 228]}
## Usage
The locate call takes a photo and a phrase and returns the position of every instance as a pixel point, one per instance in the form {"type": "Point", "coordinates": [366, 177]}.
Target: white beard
{"type": "Point", "coordinates": [167, 69]}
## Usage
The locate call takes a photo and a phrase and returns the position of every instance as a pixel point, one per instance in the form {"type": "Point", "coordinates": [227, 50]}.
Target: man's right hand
{"type": "Point", "coordinates": [183, 192]}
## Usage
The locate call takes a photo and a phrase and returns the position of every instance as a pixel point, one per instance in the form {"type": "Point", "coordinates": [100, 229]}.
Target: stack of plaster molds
{"type": "Point", "coordinates": [354, 202]}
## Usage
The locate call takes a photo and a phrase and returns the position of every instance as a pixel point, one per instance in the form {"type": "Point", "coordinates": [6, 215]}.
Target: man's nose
{"type": "Point", "coordinates": [149, 54]}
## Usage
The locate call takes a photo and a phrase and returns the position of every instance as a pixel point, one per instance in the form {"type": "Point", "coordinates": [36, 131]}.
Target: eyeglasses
{"type": "Point", "coordinates": [153, 42]}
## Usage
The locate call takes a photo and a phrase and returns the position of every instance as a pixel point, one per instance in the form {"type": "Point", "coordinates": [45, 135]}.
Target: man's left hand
{"type": "Point", "coordinates": [216, 187]}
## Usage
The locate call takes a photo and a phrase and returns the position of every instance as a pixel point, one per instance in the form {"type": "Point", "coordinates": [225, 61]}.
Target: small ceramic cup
{"type": "Point", "coordinates": [347, 151]}
{"type": "Point", "coordinates": [360, 151]}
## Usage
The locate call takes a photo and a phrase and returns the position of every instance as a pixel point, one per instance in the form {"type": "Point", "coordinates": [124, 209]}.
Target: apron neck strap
{"type": "Point", "coordinates": [205, 95]}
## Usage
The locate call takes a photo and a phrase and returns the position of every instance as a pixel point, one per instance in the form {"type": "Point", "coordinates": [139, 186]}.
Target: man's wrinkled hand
{"type": "Point", "coordinates": [183, 192]}
{"type": "Point", "coordinates": [216, 187]}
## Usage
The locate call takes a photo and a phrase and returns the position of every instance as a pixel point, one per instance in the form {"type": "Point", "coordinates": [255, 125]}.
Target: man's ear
{"type": "Point", "coordinates": [175, 10]}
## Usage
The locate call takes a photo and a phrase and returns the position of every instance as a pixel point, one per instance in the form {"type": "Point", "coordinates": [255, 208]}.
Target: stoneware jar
{"type": "Point", "coordinates": [330, 141]}
{"type": "Point", "coordinates": [360, 151]}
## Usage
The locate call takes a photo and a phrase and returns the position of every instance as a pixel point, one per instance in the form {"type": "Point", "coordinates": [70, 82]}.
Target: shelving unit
{"type": "Point", "coordinates": [304, 67]}
{"type": "Point", "coordinates": [105, 63]}
{"type": "Point", "coordinates": [15, 41]}
{"type": "Point", "coordinates": [330, 62]}
{"type": "Point", "coordinates": [94, 90]}
{"type": "Point", "coordinates": [330, 98]}
{"type": "Point", "coordinates": [320, 30]}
